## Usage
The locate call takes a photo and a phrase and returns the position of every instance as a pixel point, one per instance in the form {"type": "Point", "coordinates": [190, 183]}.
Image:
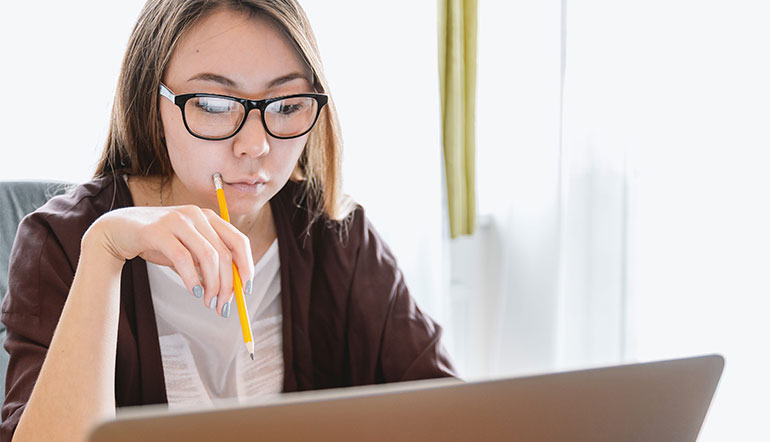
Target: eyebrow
{"type": "Point", "coordinates": [207, 76]}
{"type": "Point", "coordinates": [224, 81]}
{"type": "Point", "coordinates": [285, 79]}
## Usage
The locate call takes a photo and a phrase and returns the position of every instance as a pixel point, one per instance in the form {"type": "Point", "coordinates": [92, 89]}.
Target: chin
{"type": "Point", "coordinates": [242, 203]}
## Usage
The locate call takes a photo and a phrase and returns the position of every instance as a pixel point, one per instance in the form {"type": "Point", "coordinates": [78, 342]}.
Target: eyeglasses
{"type": "Point", "coordinates": [219, 117]}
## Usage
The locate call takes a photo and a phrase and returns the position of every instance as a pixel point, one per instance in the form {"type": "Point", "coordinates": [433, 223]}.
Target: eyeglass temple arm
{"type": "Point", "coordinates": [166, 92]}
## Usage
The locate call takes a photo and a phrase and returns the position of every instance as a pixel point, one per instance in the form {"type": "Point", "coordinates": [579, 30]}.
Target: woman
{"type": "Point", "coordinates": [120, 292]}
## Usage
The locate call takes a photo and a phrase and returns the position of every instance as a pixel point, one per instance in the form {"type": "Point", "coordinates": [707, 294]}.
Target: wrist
{"type": "Point", "coordinates": [95, 244]}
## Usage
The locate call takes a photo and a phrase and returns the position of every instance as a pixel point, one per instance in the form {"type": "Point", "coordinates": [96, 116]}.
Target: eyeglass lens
{"type": "Point", "coordinates": [216, 117]}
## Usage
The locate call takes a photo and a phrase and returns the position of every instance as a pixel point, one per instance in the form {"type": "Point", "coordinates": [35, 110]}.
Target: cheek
{"type": "Point", "coordinates": [171, 119]}
{"type": "Point", "coordinates": [286, 155]}
{"type": "Point", "coordinates": [174, 134]}
{"type": "Point", "coordinates": [192, 160]}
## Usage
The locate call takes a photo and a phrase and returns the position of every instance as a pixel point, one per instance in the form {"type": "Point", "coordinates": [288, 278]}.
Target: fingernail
{"type": "Point", "coordinates": [248, 287]}
{"type": "Point", "coordinates": [198, 291]}
{"type": "Point", "coordinates": [213, 303]}
{"type": "Point", "coordinates": [226, 310]}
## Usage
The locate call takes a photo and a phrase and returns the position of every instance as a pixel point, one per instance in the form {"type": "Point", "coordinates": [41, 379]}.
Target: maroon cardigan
{"type": "Point", "coordinates": [348, 318]}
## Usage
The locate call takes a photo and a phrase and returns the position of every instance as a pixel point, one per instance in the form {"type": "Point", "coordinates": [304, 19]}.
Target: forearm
{"type": "Point", "coordinates": [76, 384]}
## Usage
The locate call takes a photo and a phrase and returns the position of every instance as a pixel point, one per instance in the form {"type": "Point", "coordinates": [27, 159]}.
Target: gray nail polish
{"type": "Point", "coordinates": [248, 287]}
{"type": "Point", "coordinates": [213, 304]}
{"type": "Point", "coordinates": [198, 291]}
{"type": "Point", "coordinates": [226, 310]}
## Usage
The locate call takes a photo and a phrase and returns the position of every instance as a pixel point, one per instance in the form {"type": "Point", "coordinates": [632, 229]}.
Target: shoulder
{"type": "Point", "coordinates": [345, 238]}
{"type": "Point", "coordinates": [83, 203]}
{"type": "Point", "coordinates": [46, 250]}
{"type": "Point", "coordinates": [100, 194]}
{"type": "Point", "coordinates": [67, 216]}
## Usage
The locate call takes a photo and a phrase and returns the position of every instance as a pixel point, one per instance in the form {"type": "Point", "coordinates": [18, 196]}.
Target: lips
{"type": "Point", "coordinates": [249, 181]}
{"type": "Point", "coordinates": [249, 185]}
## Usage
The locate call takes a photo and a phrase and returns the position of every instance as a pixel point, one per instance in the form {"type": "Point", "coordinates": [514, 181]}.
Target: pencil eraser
{"type": "Point", "coordinates": [217, 180]}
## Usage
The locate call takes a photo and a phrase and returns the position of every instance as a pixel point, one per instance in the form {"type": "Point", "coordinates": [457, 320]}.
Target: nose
{"type": "Point", "coordinates": [252, 140]}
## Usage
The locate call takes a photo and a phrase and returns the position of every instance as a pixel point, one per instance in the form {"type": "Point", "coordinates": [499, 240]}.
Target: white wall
{"type": "Point", "coordinates": [60, 67]}
{"type": "Point", "coordinates": [382, 64]}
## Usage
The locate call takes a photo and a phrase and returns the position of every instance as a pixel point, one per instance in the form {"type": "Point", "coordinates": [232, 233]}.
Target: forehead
{"type": "Point", "coordinates": [251, 50]}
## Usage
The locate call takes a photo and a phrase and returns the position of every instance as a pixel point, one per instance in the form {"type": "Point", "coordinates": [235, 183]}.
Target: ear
{"type": "Point", "coordinates": [161, 130]}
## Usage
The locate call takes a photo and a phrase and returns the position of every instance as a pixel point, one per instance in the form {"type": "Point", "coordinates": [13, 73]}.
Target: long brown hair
{"type": "Point", "coordinates": [135, 144]}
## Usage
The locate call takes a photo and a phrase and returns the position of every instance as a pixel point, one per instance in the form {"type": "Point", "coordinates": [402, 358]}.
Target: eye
{"type": "Point", "coordinates": [288, 108]}
{"type": "Point", "coordinates": [214, 105]}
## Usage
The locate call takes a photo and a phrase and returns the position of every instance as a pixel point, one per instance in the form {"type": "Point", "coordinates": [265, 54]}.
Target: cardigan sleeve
{"type": "Point", "coordinates": [407, 341]}
{"type": "Point", "coordinates": [411, 342]}
{"type": "Point", "coordinates": [39, 279]}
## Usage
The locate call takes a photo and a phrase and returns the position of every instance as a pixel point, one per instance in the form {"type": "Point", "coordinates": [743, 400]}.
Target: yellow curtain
{"type": "Point", "coordinates": [457, 75]}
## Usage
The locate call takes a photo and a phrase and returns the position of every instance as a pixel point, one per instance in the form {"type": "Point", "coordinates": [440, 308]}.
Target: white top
{"type": "Point", "coordinates": [204, 357]}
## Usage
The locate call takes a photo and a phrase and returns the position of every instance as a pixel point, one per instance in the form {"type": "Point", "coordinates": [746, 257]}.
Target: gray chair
{"type": "Point", "coordinates": [17, 199]}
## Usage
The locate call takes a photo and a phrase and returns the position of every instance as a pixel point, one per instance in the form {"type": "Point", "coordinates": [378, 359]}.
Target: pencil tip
{"type": "Point", "coordinates": [252, 356]}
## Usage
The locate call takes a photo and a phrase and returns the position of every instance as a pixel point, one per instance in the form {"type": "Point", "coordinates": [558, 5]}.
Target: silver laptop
{"type": "Point", "coordinates": [657, 401]}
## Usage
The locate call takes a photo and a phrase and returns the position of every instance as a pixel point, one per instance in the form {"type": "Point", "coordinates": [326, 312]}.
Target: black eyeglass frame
{"type": "Point", "coordinates": [248, 105]}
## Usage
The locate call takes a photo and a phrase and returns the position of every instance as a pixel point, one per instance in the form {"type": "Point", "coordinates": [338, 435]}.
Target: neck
{"type": "Point", "coordinates": [260, 230]}
{"type": "Point", "coordinates": [256, 226]}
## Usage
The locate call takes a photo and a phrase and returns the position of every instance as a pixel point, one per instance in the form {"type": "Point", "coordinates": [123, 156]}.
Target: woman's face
{"type": "Point", "coordinates": [229, 53]}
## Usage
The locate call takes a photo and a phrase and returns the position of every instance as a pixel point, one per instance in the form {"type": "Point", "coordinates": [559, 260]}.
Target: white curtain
{"type": "Point", "coordinates": [623, 155]}
{"type": "Point", "coordinates": [547, 289]}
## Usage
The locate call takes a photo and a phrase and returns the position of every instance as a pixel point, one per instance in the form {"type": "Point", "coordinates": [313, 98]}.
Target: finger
{"type": "Point", "coordinates": [206, 255]}
{"type": "Point", "coordinates": [203, 224]}
{"type": "Point", "coordinates": [183, 264]}
{"type": "Point", "coordinates": [197, 270]}
{"type": "Point", "coordinates": [238, 244]}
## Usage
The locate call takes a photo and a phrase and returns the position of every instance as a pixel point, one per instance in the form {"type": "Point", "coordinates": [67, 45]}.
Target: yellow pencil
{"type": "Point", "coordinates": [240, 301]}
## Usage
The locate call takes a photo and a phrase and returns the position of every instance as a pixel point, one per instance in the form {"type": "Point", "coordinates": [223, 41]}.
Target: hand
{"type": "Point", "coordinates": [194, 242]}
